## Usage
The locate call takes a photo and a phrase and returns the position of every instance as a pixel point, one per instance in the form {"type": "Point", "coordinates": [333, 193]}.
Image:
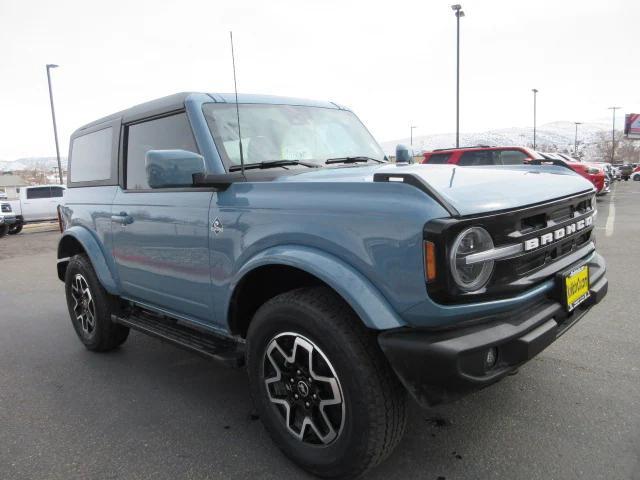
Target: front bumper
{"type": "Point", "coordinates": [441, 366]}
{"type": "Point", "coordinates": [8, 220]}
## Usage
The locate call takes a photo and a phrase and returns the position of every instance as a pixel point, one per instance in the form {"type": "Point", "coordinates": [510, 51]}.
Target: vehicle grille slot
{"type": "Point", "coordinates": [583, 207]}
{"type": "Point", "coordinates": [526, 265]}
{"type": "Point", "coordinates": [530, 224]}
{"type": "Point", "coordinates": [561, 214]}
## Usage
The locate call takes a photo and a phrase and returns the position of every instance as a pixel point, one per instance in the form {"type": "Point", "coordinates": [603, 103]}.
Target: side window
{"type": "Point", "coordinates": [476, 158]}
{"type": "Point", "coordinates": [166, 133]}
{"type": "Point", "coordinates": [91, 156]}
{"type": "Point", "coordinates": [38, 192]}
{"type": "Point", "coordinates": [512, 157]}
{"type": "Point", "coordinates": [439, 158]}
{"type": "Point", "coordinates": [57, 192]}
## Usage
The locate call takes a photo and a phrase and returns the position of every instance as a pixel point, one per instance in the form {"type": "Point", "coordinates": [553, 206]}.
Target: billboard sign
{"type": "Point", "coordinates": [632, 125]}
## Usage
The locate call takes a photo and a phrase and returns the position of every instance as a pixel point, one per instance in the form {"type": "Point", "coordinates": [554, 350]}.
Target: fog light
{"type": "Point", "coordinates": [491, 358]}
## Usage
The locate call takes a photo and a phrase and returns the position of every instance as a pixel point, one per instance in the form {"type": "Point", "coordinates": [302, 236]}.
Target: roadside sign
{"type": "Point", "coordinates": [632, 125]}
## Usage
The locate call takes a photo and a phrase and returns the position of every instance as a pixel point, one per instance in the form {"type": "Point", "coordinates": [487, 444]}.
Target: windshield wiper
{"type": "Point", "coordinates": [358, 159]}
{"type": "Point", "coordinates": [272, 164]}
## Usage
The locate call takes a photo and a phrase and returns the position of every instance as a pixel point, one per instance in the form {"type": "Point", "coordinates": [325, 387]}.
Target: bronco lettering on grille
{"type": "Point", "coordinates": [558, 234]}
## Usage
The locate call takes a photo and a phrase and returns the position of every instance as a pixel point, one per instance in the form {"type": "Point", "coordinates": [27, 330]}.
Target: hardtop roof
{"type": "Point", "coordinates": [177, 102]}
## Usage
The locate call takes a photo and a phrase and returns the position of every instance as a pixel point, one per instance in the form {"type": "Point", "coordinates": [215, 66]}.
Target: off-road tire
{"type": "Point", "coordinates": [375, 401]}
{"type": "Point", "coordinates": [16, 228]}
{"type": "Point", "coordinates": [3, 230]}
{"type": "Point", "coordinates": [105, 335]}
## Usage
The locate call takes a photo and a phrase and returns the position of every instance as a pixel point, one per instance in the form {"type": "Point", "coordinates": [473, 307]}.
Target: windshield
{"type": "Point", "coordinates": [288, 132]}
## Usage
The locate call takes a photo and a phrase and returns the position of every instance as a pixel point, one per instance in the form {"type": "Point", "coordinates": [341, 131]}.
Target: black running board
{"type": "Point", "coordinates": [169, 330]}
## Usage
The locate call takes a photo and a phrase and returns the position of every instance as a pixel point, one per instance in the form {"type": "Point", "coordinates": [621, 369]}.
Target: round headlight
{"type": "Point", "coordinates": [471, 276]}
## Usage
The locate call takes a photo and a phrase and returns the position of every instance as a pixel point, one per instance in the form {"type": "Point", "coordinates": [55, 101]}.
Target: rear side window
{"type": "Point", "coordinates": [91, 156]}
{"type": "Point", "coordinates": [38, 192]}
{"type": "Point", "coordinates": [476, 158]}
{"type": "Point", "coordinates": [57, 192]}
{"type": "Point", "coordinates": [166, 133]}
{"type": "Point", "coordinates": [439, 158]}
{"type": "Point", "coordinates": [512, 157]}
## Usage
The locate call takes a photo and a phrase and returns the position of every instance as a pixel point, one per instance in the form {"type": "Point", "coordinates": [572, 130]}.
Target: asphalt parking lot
{"type": "Point", "coordinates": [150, 410]}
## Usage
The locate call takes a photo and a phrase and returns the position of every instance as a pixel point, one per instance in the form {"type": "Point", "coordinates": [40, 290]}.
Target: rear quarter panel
{"type": "Point", "coordinates": [89, 208]}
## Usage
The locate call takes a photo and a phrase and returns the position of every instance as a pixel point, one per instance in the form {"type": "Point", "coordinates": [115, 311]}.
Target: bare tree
{"type": "Point", "coordinates": [626, 151]}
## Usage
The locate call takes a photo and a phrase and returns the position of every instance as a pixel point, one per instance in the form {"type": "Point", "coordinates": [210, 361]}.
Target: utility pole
{"type": "Point", "coordinates": [459, 14]}
{"type": "Point", "coordinates": [613, 133]}
{"type": "Point", "coordinates": [411, 141]}
{"type": "Point", "coordinates": [575, 144]}
{"type": "Point", "coordinates": [53, 117]}
{"type": "Point", "coordinates": [535, 93]}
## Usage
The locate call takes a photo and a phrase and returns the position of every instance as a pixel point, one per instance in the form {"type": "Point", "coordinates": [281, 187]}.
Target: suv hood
{"type": "Point", "coordinates": [471, 190]}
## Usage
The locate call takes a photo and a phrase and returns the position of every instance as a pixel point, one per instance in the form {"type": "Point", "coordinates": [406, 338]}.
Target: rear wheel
{"type": "Point", "coordinates": [90, 307]}
{"type": "Point", "coordinates": [323, 388]}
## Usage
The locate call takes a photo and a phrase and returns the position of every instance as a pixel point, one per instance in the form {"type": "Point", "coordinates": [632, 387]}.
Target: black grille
{"type": "Point", "coordinates": [535, 222]}
{"type": "Point", "coordinates": [6, 208]}
{"type": "Point", "coordinates": [526, 269]}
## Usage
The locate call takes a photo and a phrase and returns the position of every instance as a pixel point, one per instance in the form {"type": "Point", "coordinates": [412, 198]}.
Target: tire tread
{"type": "Point", "coordinates": [384, 391]}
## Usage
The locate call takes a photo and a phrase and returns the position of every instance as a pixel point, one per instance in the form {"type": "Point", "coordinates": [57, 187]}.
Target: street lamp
{"type": "Point", "coordinates": [411, 141]}
{"type": "Point", "coordinates": [535, 94]}
{"type": "Point", "coordinates": [53, 117]}
{"type": "Point", "coordinates": [459, 14]}
{"type": "Point", "coordinates": [613, 133]}
{"type": "Point", "coordinates": [575, 144]}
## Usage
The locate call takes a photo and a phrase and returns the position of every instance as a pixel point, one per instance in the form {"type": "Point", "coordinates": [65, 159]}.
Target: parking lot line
{"type": "Point", "coordinates": [611, 216]}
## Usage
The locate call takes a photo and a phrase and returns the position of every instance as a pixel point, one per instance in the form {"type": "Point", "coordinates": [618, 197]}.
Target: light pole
{"type": "Point", "coordinates": [459, 14]}
{"type": "Point", "coordinates": [535, 95]}
{"type": "Point", "coordinates": [575, 144]}
{"type": "Point", "coordinates": [613, 133]}
{"type": "Point", "coordinates": [411, 141]}
{"type": "Point", "coordinates": [53, 117]}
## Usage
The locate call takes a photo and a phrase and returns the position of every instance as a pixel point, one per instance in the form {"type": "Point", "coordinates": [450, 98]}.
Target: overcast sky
{"type": "Point", "coordinates": [392, 62]}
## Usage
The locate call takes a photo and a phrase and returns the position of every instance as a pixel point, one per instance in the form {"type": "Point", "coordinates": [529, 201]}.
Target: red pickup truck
{"type": "Point", "coordinates": [488, 155]}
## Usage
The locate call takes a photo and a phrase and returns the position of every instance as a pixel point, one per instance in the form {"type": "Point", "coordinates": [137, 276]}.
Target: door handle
{"type": "Point", "coordinates": [122, 218]}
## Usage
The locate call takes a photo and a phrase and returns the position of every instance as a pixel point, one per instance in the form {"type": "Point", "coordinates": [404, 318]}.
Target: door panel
{"type": "Point", "coordinates": [36, 203]}
{"type": "Point", "coordinates": [161, 249]}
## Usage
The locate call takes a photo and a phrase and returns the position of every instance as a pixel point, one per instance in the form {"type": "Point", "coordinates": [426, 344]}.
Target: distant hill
{"type": "Point", "coordinates": [550, 136]}
{"type": "Point", "coordinates": [39, 163]}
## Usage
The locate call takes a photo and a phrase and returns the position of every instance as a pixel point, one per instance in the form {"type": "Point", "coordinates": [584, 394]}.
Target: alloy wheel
{"type": "Point", "coordinates": [83, 307]}
{"type": "Point", "coordinates": [304, 389]}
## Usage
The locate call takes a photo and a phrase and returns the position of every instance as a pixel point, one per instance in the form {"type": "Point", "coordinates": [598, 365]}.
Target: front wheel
{"type": "Point", "coordinates": [323, 388]}
{"type": "Point", "coordinates": [4, 229]}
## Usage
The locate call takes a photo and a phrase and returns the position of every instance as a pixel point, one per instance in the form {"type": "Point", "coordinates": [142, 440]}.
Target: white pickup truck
{"type": "Point", "coordinates": [36, 203]}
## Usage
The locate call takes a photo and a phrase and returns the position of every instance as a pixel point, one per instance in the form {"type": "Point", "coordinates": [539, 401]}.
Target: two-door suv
{"type": "Point", "coordinates": [273, 234]}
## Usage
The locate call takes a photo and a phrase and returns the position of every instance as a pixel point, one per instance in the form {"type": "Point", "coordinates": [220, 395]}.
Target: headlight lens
{"type": "Point", "coordinates": [475, 276]}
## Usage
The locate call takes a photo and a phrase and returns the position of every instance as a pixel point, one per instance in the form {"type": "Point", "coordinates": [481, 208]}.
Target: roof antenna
{"type": "Point", "coordinates": [235, 86]}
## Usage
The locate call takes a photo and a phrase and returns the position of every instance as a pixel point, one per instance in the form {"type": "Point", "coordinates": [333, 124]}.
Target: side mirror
{"type": "Point", "coordinates": [403, 155]}
{"type": "Point", "coordinates": [172, 168]}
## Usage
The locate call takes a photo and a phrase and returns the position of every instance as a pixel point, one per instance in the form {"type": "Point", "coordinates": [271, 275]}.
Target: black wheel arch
{"type": "Point", "coordinates": [67, 248]}
{"type": "Point", "coordinates": [260, 285]}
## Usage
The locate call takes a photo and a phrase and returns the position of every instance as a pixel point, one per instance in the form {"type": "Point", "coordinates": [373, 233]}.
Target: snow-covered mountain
{"type": "Point", "coordinates": [550, 136]}
{"type": "Point", "coordinates": [31, 163]}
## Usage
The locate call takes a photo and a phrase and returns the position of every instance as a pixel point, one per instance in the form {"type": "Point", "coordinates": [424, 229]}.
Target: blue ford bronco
{"type": "Point", "coordinates": [273, 234]}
